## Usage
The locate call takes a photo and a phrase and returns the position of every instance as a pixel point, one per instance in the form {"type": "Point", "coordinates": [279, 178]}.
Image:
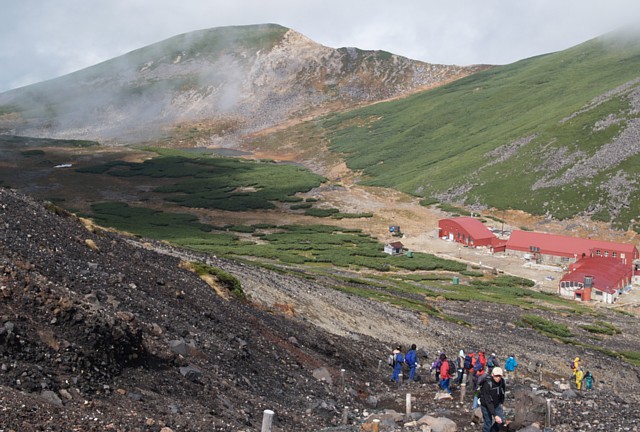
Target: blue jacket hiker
{"type": "Point", "coordinates": [397, 364]}
{"type": "Point", "coordinates": [510, 365]}
{"type": "Point", "coordinates": [412, 360]}
{"type": "Point", "coordinates": [588, 380]}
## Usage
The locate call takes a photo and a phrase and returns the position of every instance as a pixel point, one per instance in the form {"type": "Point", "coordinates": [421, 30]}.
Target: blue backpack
{"type": "Point", "coordinates": [468, 361]}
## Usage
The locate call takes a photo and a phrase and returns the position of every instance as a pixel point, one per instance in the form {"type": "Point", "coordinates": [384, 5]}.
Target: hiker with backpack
{"type": "Point", "coordinates": [446, 369]}
{"type": "Point", "coordinates": [575, 364]}
{"type": "Point", "coordinates": [588, 381]}
{"type": "Point", "coordinates": [435, 366]}
{"type": "Point", "coordinates": [492, 362]}
{"type": "Point", "coordinates": [411, 359]}
{"type": "Point", "coordinates": [510, 366]}
{"type": "Point", "coordinates": [398, 359]}
{"type": "Point", "coordinates": [468, 366]}
{"type": "Point", "coordinates": [579, 376]}
{"type": "Point", "coordinates": [479, 364]}
{"type": "Point", "coordinates": [492, 395]}
{"type": "Point", "coordinates": [460, 367]}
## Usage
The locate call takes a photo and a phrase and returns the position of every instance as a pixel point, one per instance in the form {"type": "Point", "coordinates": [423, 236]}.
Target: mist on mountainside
{"type": "Point", "coordinates": [230, 80]}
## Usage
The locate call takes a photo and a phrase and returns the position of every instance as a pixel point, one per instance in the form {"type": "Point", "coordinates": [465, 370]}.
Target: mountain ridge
{"type": "Point", "coordinates": [239, 79]}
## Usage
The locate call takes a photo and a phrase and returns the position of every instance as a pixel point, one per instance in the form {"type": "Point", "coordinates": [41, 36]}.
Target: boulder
{"type": "Point", "coordinates": [322, 374]}
{"type": "Point", "coordinates": [191, 373]}
{"type": "Point", "coordinates": [529, 408]}
{"type": "Point", "coordinates": [439, 424]}
{"type": "Point", "coordinates": [51, 397]}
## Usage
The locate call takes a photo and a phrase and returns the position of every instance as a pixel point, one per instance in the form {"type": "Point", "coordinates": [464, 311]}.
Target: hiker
{"type": "Point", "coordinates": [476, 393]}
{"type": "Point", "coordinates": [575, 364]}
{"type": "Point", "coordinates": [492, 362]}
{"type": "Point", "coordinates": [491, 399]}
{"type": "Point", "coordinates": [397, 363]}
{"type": "Point", "coordinates": [411, 359]}
{"type": "Point", "coordinates": [435, 366]}
{"type": "Point", "coordinates": [478, 369]}
{"type": "Point", "coordinates": [445, 373]}
{"type": "Point", "coordinates": [588, 381]}
{"type": "Point", "coordinates": [579, 376]}
{"type": "Point", "coordinates": [483, 359]}
{"type": "Point", "coordinates": [468, 366]}
{"type": "Point", "coordinates": [510, 366]}
{"type": "Point", "coordinates": [460, 367]}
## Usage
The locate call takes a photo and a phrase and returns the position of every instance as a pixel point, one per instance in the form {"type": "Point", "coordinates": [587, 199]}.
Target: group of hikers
{"type": "Point", "coordinates": [476, 365]}
{"type": "Point", "coordinates": [483, 373]}
{"type": "Point", "coordinates": [582, 379]}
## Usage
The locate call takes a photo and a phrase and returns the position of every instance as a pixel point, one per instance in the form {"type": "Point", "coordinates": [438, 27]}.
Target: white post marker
{"type": "Point", "coordinates": [548, 416]}
{"type": "Point", "coordinates": [267, 418]}
{"type": "Point", "coordinates": [408, 404]}
{"type": "Point", "coordinates": [376, 425]}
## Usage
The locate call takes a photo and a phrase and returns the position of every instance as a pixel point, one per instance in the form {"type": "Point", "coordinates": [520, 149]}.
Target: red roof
{"type": "Point", "coordinates": [559, 245]}
{"type": "Point", "coordinates": [607, 273]}
{"type": "Point", "coordinates": [473, 227]}
{"type": "Point", "coordinates": [396, 245]}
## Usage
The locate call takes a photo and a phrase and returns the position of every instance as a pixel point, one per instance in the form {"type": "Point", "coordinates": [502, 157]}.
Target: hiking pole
{"type": "Point", "coordinates": [267, 418]}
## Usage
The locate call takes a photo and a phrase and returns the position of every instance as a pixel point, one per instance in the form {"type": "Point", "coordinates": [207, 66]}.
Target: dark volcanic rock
{"type": "Point", "coordinates": [94, 338]}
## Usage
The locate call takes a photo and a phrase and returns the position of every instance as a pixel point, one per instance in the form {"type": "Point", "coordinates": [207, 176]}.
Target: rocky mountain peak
{"type": "Point", "coordinates": [245, 78]}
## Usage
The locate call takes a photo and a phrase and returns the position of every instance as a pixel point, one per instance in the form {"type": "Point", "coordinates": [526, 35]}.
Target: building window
{"type": "Point", "coordinates": [606, 254]}
{"type": "Point", "coordinates": [614, 254]}
{"type": "Point", "coordinates": [597, 252]}
{"type": "Point", "coordinates": [564, 259]}
{"type": "Point", "coordinates": [598, 293]}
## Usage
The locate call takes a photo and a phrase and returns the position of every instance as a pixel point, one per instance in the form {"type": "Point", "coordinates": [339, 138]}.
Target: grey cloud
{"type": "Point", "coordinates": [44, 39]}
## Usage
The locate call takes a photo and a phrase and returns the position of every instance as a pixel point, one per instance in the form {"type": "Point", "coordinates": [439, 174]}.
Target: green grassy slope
{"type": "Point", "coordinates": [438, 141]}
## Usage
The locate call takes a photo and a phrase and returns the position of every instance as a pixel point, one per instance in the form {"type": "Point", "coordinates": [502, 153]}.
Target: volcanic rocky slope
{"type": "Point", "coordinates": [104, 332]}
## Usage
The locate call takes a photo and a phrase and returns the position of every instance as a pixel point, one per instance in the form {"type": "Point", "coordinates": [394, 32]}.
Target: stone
{"type": "Point", "coordinates": [439, 424]}
{"type": "Point", "coordinates": [322, 374]}
{"type": "Point", "coordinates": [51, 397]}
{"type": "Point", "coordinates": [529, 407]}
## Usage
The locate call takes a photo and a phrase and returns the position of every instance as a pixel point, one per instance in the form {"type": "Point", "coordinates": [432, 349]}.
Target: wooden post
{"type": "Point", "coordinates": [547, 419]}
{"type": "Point", "coordinates": [463, 391]}
{"type": "Point", "coordinates": [376, 425]}
{"type": "Point", "coordinates": [408, 404]}
{"type": "Point", "coordinates": [267, 418]}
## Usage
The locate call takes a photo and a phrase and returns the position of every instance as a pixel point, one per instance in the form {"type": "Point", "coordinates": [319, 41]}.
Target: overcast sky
{"type": "Point", "coordinates": [43, 39]}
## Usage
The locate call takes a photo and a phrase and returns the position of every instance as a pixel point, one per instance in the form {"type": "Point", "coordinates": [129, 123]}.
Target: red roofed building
{"type": "Point", "coordinates": [557, 249]}
{"type": "Point", "coordinates": [466, 230]}
{"type": "Point", "coordinates": [595, 278]}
